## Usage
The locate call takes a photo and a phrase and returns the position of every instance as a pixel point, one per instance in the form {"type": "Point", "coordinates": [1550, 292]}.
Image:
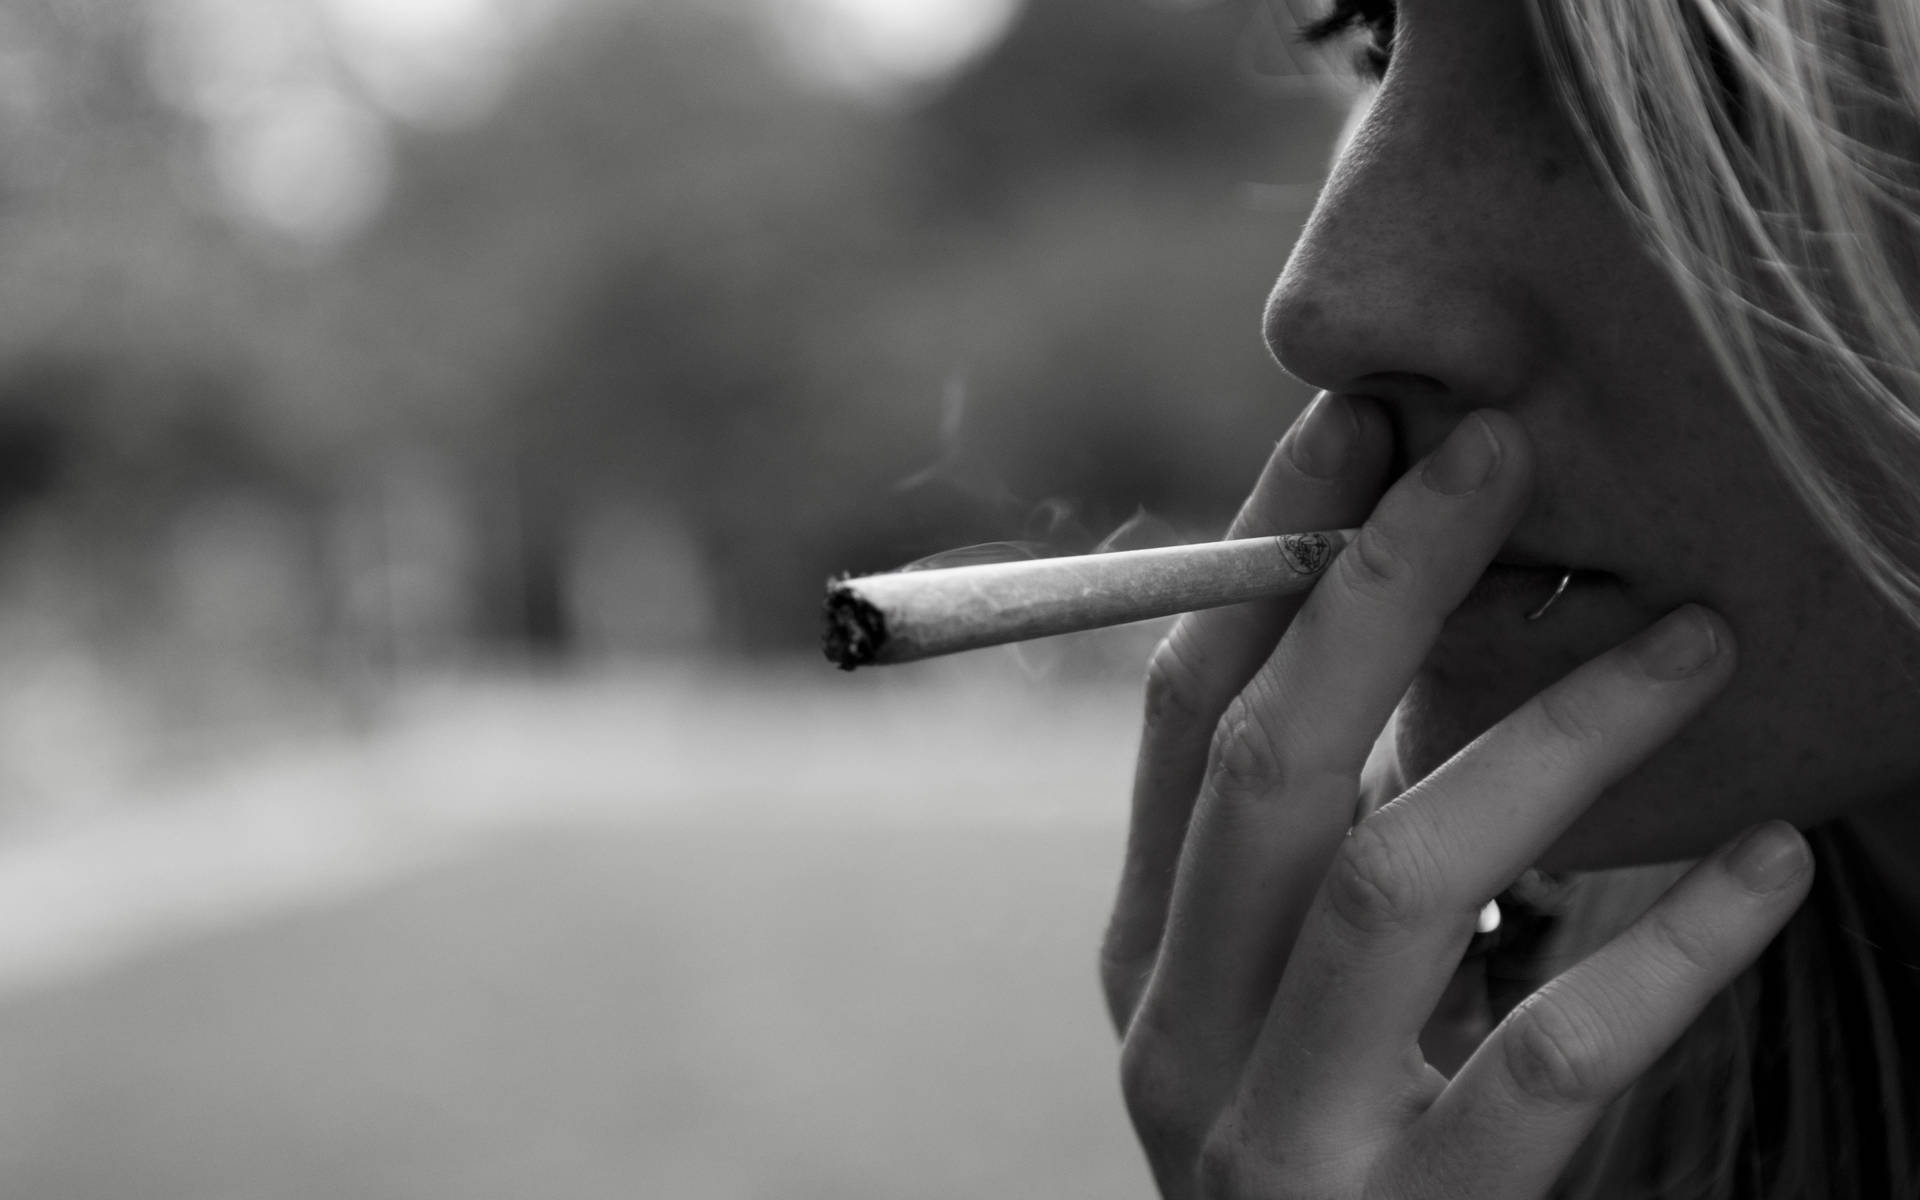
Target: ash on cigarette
{"type": "Point", "coordinates": [855, 631]}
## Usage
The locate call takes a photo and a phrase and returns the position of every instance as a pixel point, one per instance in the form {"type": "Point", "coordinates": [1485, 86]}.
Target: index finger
{"type": "Point", "coordinates": [1326, 473]}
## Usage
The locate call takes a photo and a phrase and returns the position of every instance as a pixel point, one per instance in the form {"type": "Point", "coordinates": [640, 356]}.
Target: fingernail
{"type": "Point", "coordinates": [1323, 441]}
{"type": "Point", "coordinates": [1680, 645]}
{"type": "Point", "coordinates": [1769, 857]}
{"type": "Point", "coordinates": [1466, 460]}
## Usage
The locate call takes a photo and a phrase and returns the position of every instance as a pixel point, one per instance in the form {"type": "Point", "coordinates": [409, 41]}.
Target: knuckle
{"type": "Point", "coordinates": [1553, 1055]}
{"type": "Point", "coordinates": [1173, 1079]}
{"type": "Point", "coordinates": [1380, 882]}
{"type": "Point", "coordinates": [1225, 1171]}
{"type": "Point", "coordinates": [1573, 716]}
{"type": "Point", "coordinates": [1245, 761]}
{"type": "Point", "coordinates": [1687, 947]}
{"type": "Point", "coordinates": [1236, 1164]}
{"type": "Point", "coordinates": [1176, 697]}
{"type": "Point", "coordinates": [1378, 562]}
{"type": "Point", "coordinates": [1157, 1091]}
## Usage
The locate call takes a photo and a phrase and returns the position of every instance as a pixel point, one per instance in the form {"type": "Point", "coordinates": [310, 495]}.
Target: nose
{"type": "Point", "coordinates": [1408, 282]}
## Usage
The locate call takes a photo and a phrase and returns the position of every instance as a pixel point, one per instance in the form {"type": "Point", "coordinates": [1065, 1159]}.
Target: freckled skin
{"type": "Point", "coordinates": [1463, 256]}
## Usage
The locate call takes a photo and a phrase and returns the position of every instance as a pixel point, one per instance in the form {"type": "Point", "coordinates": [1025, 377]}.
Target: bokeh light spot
{"type": "Point", "coordinates": [883, 48]}
{"type": "Point", "coordinates": [315, 166]}
{"type": "Point", "coordinates": [434, 62]}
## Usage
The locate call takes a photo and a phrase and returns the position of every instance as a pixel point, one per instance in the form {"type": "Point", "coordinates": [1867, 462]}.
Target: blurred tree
{"type": "Point", "coordinates": [795, 281]}
{"type": "Point", "coordinates": [666, 289]}
{"type": "Point", "coordinates": [1122, 89]}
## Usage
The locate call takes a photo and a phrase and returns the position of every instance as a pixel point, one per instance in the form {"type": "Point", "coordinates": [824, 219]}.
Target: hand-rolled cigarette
{"type": "Point", "coordinates": [909, 615]}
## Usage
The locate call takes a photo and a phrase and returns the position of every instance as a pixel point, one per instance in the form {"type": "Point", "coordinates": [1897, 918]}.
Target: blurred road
{"type": "Point", "coordinates": [661, 935]}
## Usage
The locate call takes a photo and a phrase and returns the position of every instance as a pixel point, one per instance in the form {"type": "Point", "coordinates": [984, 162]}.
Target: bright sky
{"type": "Point", "coordinates": [881, 47]}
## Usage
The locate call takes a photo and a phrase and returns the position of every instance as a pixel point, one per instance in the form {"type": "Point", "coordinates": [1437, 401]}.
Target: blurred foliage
{"type": "Point", "coordinates": [636, 361]}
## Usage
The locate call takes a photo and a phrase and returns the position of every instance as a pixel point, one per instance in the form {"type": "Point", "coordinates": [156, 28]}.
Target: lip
{"type": "Point", "coordinates": [1487, 644]}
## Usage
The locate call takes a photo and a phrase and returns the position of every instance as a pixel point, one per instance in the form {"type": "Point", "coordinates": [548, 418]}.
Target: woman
{"type": "Point", "coordinates": [1613, 307]}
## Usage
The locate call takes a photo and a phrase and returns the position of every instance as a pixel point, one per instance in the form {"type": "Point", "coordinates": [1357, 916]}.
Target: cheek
{"type": "Point", "coordinates": [1742, 761]}
{"type": "Point", "coordinates": [1816, 721]}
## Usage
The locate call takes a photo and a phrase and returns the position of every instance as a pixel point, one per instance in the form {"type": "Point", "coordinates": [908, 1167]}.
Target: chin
{"type": "Point", "coordinates": [1631, 823]}
{"type": "Point", "coordinates": [1444, 711]}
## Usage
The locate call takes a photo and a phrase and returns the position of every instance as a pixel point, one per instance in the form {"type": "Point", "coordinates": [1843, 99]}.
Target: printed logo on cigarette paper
{"type": "Point", "coordinates": [1305, 552]}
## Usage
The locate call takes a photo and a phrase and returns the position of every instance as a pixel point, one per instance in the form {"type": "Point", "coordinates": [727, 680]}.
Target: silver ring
{"type": "Point", "coordinates": [1537, 613]}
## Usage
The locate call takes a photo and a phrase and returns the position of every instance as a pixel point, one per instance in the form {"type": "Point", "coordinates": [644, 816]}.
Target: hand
{"type": "Point", "coordinates": [1271, 964]}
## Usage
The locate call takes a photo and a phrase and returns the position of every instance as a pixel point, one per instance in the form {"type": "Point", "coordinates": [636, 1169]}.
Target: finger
{"type": "Point", "coordinates": [1398, 904]}
{"type": "Point", "coordinates": [1325, 474]}
{"type": "Point", "coordinates": [1515, 1114]}
{"type": "Point", "coordinates": [1280, 789]}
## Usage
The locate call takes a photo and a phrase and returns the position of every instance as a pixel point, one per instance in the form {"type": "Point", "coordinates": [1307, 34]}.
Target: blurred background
{"type": "Point", "coordinates": [425, 429]}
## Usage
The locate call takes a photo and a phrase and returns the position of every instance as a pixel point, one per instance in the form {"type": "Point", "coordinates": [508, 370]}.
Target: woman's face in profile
{"type": "Point", "coordinates": [1464, 255]}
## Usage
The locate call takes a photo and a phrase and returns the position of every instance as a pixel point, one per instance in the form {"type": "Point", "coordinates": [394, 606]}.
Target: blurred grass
{"type": "Point", "coordinates": [758, 935]}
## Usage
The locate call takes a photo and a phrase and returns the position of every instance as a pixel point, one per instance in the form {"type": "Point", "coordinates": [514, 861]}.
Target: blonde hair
{"type": "Point", "coordinates": [1769, 153]}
